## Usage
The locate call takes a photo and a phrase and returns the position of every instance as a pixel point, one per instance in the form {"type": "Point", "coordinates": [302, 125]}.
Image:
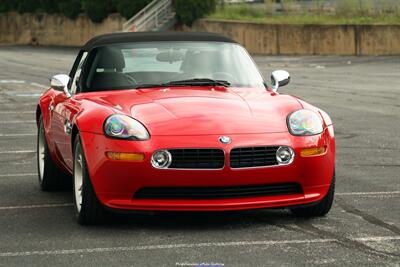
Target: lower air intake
{"type": "Point", "coordinates": [218, 192]}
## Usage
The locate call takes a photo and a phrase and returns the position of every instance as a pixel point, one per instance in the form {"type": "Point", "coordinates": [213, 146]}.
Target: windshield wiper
{"type": "Point", "coordinates": [200, 81]}
{"type": "Point", "coordinates": [192, 82]}
{"type": "Point", "coordinates": [149, 85]}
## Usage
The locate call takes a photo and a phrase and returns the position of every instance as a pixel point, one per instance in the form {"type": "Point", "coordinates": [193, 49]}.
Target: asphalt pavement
{"type": "Point", "coordinates": [362, 96]}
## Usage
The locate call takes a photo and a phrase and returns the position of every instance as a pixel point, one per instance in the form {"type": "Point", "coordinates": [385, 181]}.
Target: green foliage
{"type": "Point", "coordinates": [128, 8]}
{"type": "Point", "coordinates": [187, 11]}
{"type": "Point", "coordinates": [48, 6]}
{"type": "Point", "coordinates": [318, 6]}
{"type": "Point", "coordinates": [97, 10]}
{"type": "Point", "coordinates": [314, 12]}
{"type": "Point", "coordinates": [287, 6]}
{"type": "Point", "coordinates": [70, 8]}
{"type": "Point", "coordinates": [7, 5]}
{"type": "Point", "coordinates": [347, 7]}
{"type": "Point", "coordinates": [27, 6]}
{"type": "Point", "coordinates": [269, 7]}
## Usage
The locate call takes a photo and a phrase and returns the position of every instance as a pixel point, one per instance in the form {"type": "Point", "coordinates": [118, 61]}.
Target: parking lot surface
{"type": "Point", "coordinates": [362, 95]}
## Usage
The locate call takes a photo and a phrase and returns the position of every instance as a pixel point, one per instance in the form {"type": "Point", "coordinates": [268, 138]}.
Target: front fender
{"type": "Point", "coordinates": [42, 108]}
{"type": "Point", "coordinates": [327, 120]}
{"type": "Point", "coordinates": [91, 117]}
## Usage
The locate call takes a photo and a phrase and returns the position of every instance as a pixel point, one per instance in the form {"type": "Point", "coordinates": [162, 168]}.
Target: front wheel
{"type": "Point", "coordinates": [319, 209]}
{"type": "Point", "coordinates": [88, 208]}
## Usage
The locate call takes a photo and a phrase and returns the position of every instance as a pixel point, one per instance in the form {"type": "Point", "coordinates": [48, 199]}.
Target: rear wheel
{"type": "Point", "coordinates": [50, 176]}
{"type": "Point", "coordinates": [319, 209]}
{"type": "Point", "coordinates": [88, 208]}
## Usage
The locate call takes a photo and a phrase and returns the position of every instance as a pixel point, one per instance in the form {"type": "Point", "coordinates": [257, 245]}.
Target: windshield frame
{"type": "Point", "coordinates": [92, 54]}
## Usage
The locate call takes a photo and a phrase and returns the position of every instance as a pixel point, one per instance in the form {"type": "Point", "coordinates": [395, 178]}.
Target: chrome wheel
{"type": "Point", "coordinates": [41, 153]}
{"type": "Point", "coordinates": [78, 177]}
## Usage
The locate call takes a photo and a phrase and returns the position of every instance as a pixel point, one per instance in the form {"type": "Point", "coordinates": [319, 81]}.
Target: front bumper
{"type": "Point", "coordinates": [115, 182]}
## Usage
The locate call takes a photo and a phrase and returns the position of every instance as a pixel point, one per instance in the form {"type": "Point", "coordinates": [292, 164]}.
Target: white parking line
{"type": "Point", "coordinates": [39, 85]}
{"type": "Point", "coordinates": [37, 206]}
{"type": "Point", "coordinates": [376, 238]}
{"type": "Point", "coordinates": [18, 152]}
{"type": "Point", "coordinates": [13, 81]}
{"type": "Point", "coordinates": [17, 112]}
{"type": "Point", "coordinates": [7, 122]}
{"type": "Point", "coordinates": [23, 81]}
{"type": "Point", "coordinates": [191, 246]}
{"type": "Point", "coordinates": [16, 135]}
{"type": "Point", "coordinates": [29, 94]}
{"type": "Point", "coordinates": [367, 193]}
{"type": "Point", "coordinates": [17, 174]}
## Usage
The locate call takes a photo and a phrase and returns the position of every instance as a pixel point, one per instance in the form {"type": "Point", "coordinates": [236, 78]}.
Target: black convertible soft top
{"type": "Point", "coordinates": [128, 37]}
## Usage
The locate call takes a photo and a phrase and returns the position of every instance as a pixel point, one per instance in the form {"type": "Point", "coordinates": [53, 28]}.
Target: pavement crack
{"type": "Point", "coordinates": [308, 228]}
{"type": "Point", "coordinates": [367, 217]}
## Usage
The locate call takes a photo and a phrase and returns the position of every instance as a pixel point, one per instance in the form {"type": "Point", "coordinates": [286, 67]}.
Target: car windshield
{"type": "Point", "coordinates": [154, 64]}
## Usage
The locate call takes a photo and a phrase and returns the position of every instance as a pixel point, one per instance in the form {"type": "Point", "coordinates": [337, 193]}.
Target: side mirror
{"type": "Point", "coordinates": [279, 78]}
{"type": "Point", "coordinates": [60, 82]}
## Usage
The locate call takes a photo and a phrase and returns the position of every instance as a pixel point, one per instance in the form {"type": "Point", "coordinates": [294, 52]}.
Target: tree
{"type": "Point", "coordinates": [7, 5]}
{"type": "Point", "coordinates": [188, 11]}
{"type": "Point", "coordinates": [128, 8]}
{"type": "Point", "coordinates": [48, 6]}
{"type": "Point", "coordinates": [70, 8]}
{"type": "Point", "coordinates": [98, 10]}
{"type": "Point", "coordinates": [27, 6]}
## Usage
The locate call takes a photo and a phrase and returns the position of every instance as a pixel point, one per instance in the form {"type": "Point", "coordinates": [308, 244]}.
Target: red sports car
{"type": "Point", "coordinates": [181, 122]}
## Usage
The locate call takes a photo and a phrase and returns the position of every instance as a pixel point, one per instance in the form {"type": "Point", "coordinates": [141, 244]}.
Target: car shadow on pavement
{"type": "Point", "coordinates": [201, 220]}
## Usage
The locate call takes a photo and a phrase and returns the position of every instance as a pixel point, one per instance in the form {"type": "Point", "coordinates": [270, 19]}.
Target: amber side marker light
{"type": "Point", "coordinates": [125, 156]}
{"type": "Point", "coordinates": [306, 152]}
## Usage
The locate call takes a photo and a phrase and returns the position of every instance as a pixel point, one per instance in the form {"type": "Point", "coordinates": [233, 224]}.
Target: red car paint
{"type": "Point", "coordinates": [188, 117]}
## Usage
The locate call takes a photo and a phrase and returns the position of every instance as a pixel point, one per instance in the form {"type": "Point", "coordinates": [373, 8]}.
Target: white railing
{"type": "Point", "coordinates": [150, 18]}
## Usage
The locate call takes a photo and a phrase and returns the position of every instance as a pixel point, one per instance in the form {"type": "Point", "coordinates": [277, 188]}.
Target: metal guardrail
{"type": "Point", "coordinates": [150, 18]}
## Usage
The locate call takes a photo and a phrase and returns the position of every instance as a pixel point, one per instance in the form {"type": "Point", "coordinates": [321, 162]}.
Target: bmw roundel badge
{"type": "Point", "coordinates": [225, 139]}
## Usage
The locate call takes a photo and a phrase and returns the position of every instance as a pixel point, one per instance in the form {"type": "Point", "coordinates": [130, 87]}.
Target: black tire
{"type": "Point", "coordinates": [91, 210]}
{"type": "Point", "coordinates": [319, 209]}
{"type": "Point", "coordinates": [50, 177]}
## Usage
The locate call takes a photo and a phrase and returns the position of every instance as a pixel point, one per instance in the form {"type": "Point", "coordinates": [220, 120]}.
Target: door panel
{"type": "Point", "coordinates": [57, 124]}
{"type": "Point", "coordinates": [64, 113]}
{"type": "Point", "coordinates": [71, 108]}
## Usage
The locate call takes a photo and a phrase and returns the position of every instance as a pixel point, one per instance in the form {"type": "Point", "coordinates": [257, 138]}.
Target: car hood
{"type": "Point", "coordinates": [203, 110]}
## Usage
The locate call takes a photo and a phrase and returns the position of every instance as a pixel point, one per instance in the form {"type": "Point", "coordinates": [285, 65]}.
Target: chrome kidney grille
{"type": "Point", "coordinates": [214, 158]}
{"type": "Point", "coordinates": [197, 158]}
{"type": "Point", "coordinates": [248, 157]}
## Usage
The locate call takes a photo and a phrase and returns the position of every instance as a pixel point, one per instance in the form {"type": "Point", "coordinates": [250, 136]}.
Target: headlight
{"type": "Point", "coordinates": [125, 127]}
{"type": "Point", "coordinates": [305, 122]}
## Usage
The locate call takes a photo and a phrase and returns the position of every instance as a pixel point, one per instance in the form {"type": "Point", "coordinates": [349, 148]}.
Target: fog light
{"type": "Point", "coordinates": [284, 155]}
{"type": "Point", "coordinates": [306, 152]}
{"type": "Point", "coordinates": [161, 159]}
{"type": "Point", "coordinates": [125, 156]}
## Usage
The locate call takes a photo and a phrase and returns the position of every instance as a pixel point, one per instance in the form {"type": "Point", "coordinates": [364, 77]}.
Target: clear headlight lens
{"type": "Point", "coordinates": [125, 127]}
{"type": "Point", "coordinates": [305, 122]}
